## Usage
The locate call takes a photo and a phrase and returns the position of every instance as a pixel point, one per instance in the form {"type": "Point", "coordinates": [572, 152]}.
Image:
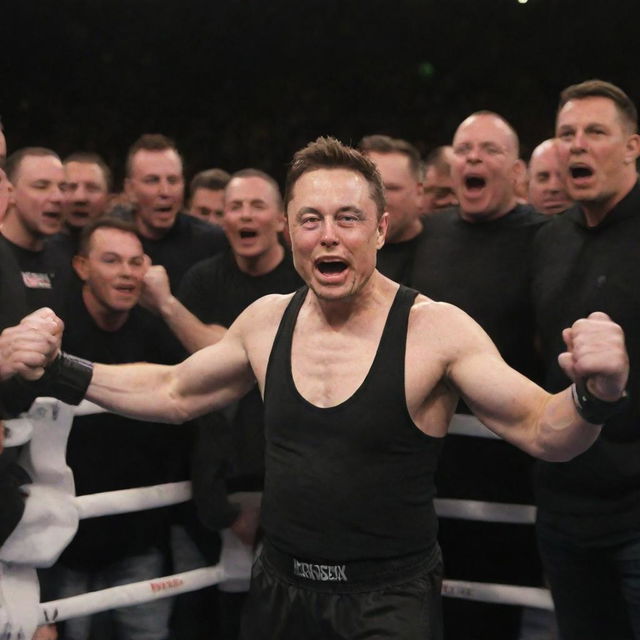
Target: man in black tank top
{"type": "Point", "coordinates": [360, 378]}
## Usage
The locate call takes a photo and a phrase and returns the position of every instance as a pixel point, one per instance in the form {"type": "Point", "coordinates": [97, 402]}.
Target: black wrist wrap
{"type": "Point", "coordinates": [593, 409]}
{"type": "Point", "coordinates": [67, 378]}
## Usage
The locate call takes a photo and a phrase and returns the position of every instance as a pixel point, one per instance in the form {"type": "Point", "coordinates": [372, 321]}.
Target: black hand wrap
{"type": "Point", "coordinates": [593, 409]}
{"type": "Point", "coordinates": [67, 378]}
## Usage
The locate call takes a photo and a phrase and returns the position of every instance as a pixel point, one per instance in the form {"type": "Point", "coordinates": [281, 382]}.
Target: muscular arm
{"type": "Point", "coordinates": [546, 426]}
{"type": "Point", "coordinates": [209, 379]}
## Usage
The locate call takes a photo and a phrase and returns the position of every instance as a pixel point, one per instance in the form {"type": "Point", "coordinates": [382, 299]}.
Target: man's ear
{"type": "Point", "coordinates": [81, 267]}
{"type": "Point", "coordinates": [632, 149]}
{"type": "Point", "coordinates": [519, 170]}
{"type": "Point", "coordinates": [128, 190]}
{"type": "Point", "coordinates": [11, 194]}
{"type": "Point", "coordinates": [383, 225]}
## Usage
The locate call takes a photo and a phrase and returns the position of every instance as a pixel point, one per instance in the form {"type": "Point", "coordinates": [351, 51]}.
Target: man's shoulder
{"type": "Point", "coordinates": [559, 225]}
{"type": "Point", "coordinates": [441, 322]}
{"type": "Point", "coordinates": [265, 310]}
{"type": "Point", "coordinates": [186, 223]}
{"type": "Point", "coordinates": [210, 266]}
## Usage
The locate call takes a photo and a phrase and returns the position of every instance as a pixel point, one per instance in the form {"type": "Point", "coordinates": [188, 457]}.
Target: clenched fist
{"type": "Point", "coordinates": [596, 352]}
{"type": "Point", "coordinates": [30, 346]}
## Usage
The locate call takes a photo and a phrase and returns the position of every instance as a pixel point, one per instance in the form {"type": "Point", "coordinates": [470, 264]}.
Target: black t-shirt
{"type": "Point", "coordinates": [67, 242]}
{"type": "Point", "coordinates": [12, 310]}
{"type": "Point", "coordinates": [109, 452]}
{"type": "Point", "coordinates": [579, 269]}
{"type": "Point", "coordinates": [45, 275]}
{"type": "Point", "coordinates": [484, 268]}
{"type": "Point", "coordinates": [216, 291]}
{"type": "Point", "coordinates": [395, 260]}
{"type": "Point", "coordinates": [189, 241]}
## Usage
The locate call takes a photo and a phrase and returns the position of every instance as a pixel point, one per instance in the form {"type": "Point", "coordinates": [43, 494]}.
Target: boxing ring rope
{"type": "Point", "coordinates": [235, 563]}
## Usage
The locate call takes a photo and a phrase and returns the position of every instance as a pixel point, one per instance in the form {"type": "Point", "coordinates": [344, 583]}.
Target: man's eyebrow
{"type": "Point", "coordinates": [351, 209]}
{"type": "Point", "coordinates": [304, 210]}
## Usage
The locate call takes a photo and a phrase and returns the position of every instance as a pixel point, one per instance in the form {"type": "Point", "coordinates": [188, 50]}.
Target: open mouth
{"type": "Point", "coordinates": [246, 233]}
{"type": "Point", "coordinates": [125, 288]}
{"type": "Point", "coordinates": [53, 215]}
{"type": "Point", "coordinates": [474, 183]}
{"type": "Point", "coordinates": [581, 172]}
{"type": "Point", "coordinates": [330, 267]}
{"type": "Point", "coordinates": [163, 209]}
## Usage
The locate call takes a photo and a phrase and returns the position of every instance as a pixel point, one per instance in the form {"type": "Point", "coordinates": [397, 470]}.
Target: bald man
{"type": "Point", "coordinates": [475, 256]}
{"type": "Point", "coordinates": [547, 193]}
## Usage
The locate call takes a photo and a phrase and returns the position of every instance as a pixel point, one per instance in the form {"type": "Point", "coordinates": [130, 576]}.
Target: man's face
{"type": "Point", "coordinates": [402, 192]}
{"type": "Point", "coordinates": [4, 194]}
{"type": "Point", "coordinates": [208, 205]}
{"type": "Point", "coordinates": [252, 217]}
{"type": "Point", "coordinates": [335, 232]}
{"type": "Point", "coordinates": [484, 167]}
{"type": "Point", "coordinates": [546, 190]}
{"type": "Point", "coordinates": [86, 193]}
{"type": "Point", "coordinates": [38, 195]}
{"type": "Point", "coordinates": [156, 187]}
{"type": "Point", "coordinates": [3, 147]}
{"type": "Point", "coordinates": [438, 190]}
{"type": "Point", "coordinates": [4, 183]}
{"type": "Point", "coordinates": [596, 151]}
{"type": "Point", "coordinates": [112, 271]}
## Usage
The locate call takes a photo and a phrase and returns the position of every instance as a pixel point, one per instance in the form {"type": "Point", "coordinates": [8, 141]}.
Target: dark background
{"type": "Point", "coordinates": [247, 82]}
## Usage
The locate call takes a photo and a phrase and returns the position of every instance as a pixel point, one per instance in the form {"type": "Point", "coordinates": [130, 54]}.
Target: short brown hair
{"type": "Point", "coordinates": [105, 222]}
{"type": "Point", "coordinates": [149, 142]}
{"type": "Point", "coordinates": [437, 158]}
{"type": "Point", "coordinates": [600, 88]}
{"type": "Point", "coordinates": [89, 157]}
{"type": "Point", "coordinates": [329, 153]}
{"type": "Point", "coordinates": [212, 179]}
{"type": "Point", "coordinates": [379, 143]}
{"type": "Point", "coordinates": [257, 173]}
{"type": "Point", "coordinates": [15, 159]}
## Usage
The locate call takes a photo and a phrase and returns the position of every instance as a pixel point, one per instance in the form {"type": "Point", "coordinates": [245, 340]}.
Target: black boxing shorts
{"type": "Point", "coordinates": [290, 599]}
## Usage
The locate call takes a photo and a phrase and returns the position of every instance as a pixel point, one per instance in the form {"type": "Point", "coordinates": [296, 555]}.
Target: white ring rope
{"type": "Point", "coordinates": [162, 495]}
{"type": "Point", "coordinates": [140, 592]}
{"type": "Point", "coordinates": [130, 594]}
{"type": "Point", "coordinates": [127, 500]}
{"type": "Point", "coordinates": [466, 425]}
{"type": "Point", "coordinates": [235, 564]}
{"type": "Point", "coordinates": [485, 511]}
{"type": "Point", "coordinates": [498, 593]}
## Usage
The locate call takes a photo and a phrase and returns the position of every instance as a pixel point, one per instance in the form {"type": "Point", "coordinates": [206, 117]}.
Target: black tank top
{"type": "Point", "coordinates": [353, 481]}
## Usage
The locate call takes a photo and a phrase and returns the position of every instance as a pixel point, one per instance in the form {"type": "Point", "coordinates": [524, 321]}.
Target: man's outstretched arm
{"type": "Point", "coordinates": [553, 427]}
{"type": "Point", "coordinates": [209, 379]}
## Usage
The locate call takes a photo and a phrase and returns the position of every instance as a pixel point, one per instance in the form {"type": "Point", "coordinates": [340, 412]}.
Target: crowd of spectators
{"type": "Point", "coordinates": [149, 274]}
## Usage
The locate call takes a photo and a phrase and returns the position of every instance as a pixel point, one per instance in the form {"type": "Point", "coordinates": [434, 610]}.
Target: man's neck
{"type": "Point", "coordinates": [106, 319]}
{"type": "Point", "coordinates": [149, 232]}
{"type": "Point", "coordinates": [350, 310]}
{"type": "Point", "coordinates": [488, 216]}
{"type": "Point", "coordinates": [14, 231]}
{"type": "Point", "coordinates": [408, 233]}
{"type": "Point", "coordinates": [262, 264]}
{"type": "Point", "coordinates": [596, 211]}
